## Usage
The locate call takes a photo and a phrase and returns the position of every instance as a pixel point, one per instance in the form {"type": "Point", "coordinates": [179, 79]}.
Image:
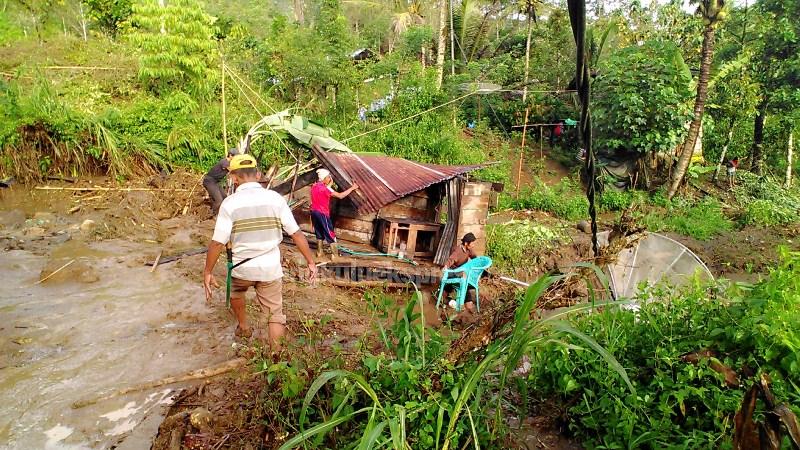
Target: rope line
{"type": "Point", "coordinates": [412, 116]}
{"type": "Point", "coordinates": [237, 80]}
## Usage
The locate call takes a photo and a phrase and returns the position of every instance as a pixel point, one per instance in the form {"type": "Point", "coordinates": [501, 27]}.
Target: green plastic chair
{"type": "Point", "coordinates": [472, 270]}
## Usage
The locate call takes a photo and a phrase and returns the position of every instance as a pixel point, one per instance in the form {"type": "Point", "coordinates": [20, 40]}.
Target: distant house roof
{"type": "Point", "coordinates": [362, 54]}
{"type": "Point", "coordinates": [384, 179]}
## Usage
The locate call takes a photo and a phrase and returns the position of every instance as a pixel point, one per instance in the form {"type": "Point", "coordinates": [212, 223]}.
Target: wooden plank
{"type": "Point", "coordinates": [355, 236]}
{"type": "Point", "coordinates": [303, 180]}
{"type": "Point", "coordinates": [362, 226]}
{"type": "Point", "coordinates": [399, 211]}
{"type": "Point", "coordinates": [476, 188]}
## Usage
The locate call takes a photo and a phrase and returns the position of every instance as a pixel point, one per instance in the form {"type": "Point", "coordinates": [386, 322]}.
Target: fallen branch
{"type": "Point", "coordinates": [169, 259]}
{"type": "Point", "coordinates": [155, 263]}
{"type": "Point", "coordinates": [98, 188]}
{"type": "Point", "coordinates": [200, 374]}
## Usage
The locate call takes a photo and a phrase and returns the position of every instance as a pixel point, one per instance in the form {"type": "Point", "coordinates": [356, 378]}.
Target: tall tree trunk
{"type": "Point", "coordinates": [452, 41]}
{"type": "Point", "coordinates": [697, 119]}
{"type": "Point", "coordinates": [299, 14]}
{"type": "Point", "coordinates": [441, 48]}
{"type": "Point", "coordinates": [757, 151]}
{"type": "Point", "coordinates": [788, 183]}
{"type": "Point", "coordinates": [724, 151]}
{"type": "Point", "coordinates": [84, 23]}
{"type": "Point", "coordinates": [527, 56]}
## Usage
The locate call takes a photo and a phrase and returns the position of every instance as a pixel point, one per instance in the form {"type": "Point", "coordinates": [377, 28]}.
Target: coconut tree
{"type": "Point", "coordinates": [712, 12]}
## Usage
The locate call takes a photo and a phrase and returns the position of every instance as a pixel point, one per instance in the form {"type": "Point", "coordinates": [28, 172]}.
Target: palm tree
{"type": "Point", "coordinates": [712, 13]}
{"type": "Point", "coordinates": [441, 43]}
{"type": "Point", "coordinates": [528, 8]}
{"type": "Point", "coordinates": [409, 14]}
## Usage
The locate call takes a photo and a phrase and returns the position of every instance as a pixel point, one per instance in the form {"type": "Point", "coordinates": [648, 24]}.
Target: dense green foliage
{"type": "Point", "coordinates": [765, 202]}
{"type": "Point", "coordinates": [678, 404]}
{"type": "Point", "coordinates": [176, 45]}
{"type": "Point", "coordinates": [564, 200]}
{"type": "Point", "coordinates": [408, 394]}
{"type": "Point", "coordinates": [641, 96]}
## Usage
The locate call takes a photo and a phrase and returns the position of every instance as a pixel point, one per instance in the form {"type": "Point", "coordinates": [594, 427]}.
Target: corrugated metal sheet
{"type": "Point", "coordinates": [384, 179]}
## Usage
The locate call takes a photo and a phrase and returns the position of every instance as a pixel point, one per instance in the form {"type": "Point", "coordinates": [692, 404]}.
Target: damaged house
{"type": "Point", "coordinates": [413, 210]}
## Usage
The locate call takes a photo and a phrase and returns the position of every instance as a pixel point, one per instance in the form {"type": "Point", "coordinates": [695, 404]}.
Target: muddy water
{"type": "Point", "coordinates": [68, 342]}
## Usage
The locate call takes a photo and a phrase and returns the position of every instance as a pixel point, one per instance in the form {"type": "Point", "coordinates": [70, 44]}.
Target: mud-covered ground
{"type": "Point", "coordinates": [84, 316]}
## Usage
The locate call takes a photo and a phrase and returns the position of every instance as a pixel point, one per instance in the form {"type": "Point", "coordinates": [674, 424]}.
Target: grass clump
{"type": "Point", "coordinates": [765, 202]}
{"type": "Point", "coordinates": [518, 243]}
{"type": "Point", "coordinates": [678, 404]}
{"type": "Point", "coordinates": [701, 219]}
{"type": "Point", "coordinates": [565, 200]}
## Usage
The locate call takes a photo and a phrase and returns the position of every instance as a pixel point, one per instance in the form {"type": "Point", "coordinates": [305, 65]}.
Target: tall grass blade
{"type": "Point", "coordinates": [321, 428]}
{"type": "Point", "coordinates": [474, 431]}
{"type": "Point", "coordinates": [467, 391]}
{"type": "Point", "coordinates": [372, 433]}
{"type": "Point", "coordinates": [608, 357]}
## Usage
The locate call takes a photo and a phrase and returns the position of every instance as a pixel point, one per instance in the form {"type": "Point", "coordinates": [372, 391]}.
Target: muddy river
{"type": "Point", "coordinates": [77, 337]}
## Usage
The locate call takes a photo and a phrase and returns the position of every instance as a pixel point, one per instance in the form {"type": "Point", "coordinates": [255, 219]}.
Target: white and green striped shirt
{"type": "Point", "coordinates": [253, 219]}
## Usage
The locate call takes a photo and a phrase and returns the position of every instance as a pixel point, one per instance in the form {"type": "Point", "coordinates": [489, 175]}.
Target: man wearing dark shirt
{"type": "Point", "coordinates": [212, 180]}
{"type": "Point", "coordinates": [460, 255]}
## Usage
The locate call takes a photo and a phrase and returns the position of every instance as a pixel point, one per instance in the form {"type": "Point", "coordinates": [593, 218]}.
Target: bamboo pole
{"type": "Point", "coordinates": [98, 188]}
{"type": "Point", "coordinates": [207, 372]}
{"type": "Point", "coordinates": [521, 151]}
{"type": "Point", "coordinates": [224, 117]}
{"type": "Point", "coordinates": [789, 150]}
{"type": "Point", "coordinates": [54, 272]}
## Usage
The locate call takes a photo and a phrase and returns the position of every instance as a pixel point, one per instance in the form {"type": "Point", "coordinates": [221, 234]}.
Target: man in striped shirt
{"type": "Point", "coordinates": [253, 220]}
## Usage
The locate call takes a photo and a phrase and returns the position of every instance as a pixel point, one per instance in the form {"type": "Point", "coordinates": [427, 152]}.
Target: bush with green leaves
{"type": "Point", "coordinates": [516, 244]}
{"type": "Point", "coordinates": [429, 137]}
{"type": "Point", "coordinates": [765, 202]}
{"type": "Point", "coordinates": [641, 98]}
{"type": "Point", "coordinates": [677, 404]}
{"type": "Point", "coordinates": [176, 44]}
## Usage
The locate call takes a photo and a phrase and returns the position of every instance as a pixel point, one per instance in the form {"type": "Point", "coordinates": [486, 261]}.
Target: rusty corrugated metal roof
{"type": "Point", "coordinates": [384, 179]}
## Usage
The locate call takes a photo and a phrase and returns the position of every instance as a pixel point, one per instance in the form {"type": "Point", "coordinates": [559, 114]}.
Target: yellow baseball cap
{"type": "Point", "coordinates": [242, 162]}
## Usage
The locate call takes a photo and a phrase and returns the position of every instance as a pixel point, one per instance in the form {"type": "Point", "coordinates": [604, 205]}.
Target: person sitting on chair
{"type": "Point", "coordinates": [460, 256]}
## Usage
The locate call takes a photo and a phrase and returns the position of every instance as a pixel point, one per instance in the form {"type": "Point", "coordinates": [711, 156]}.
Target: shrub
{"type": "Point", "coordinates": [614, 200]}
{"type": "Point", "coordinates": [517, 243]}
{"type": "Point", "coordinates": [678, 404]}
{"type": "Point", "coordinates": [767, 213]}
{"type": "Point", "coordinates": [765, 202]}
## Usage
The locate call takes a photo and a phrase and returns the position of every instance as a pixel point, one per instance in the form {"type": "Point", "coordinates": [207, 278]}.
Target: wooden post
{"type": "Point", "coordinates": [521, 150]}
{"type": "Point", "coordinates": [224, 125]}
{"type": "Point", "coordinates": [541, 151]}
{"type": "Point", "coordinates": [788, 182]}
{"type": "Point", "coordinates": [722, 155]}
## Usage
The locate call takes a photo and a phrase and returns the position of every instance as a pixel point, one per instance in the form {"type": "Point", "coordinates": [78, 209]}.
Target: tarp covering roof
{"type": "Point", "coordinates": [384, 179]}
